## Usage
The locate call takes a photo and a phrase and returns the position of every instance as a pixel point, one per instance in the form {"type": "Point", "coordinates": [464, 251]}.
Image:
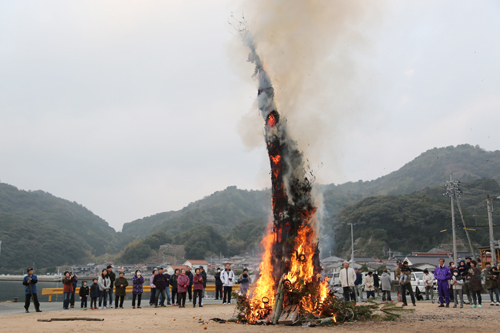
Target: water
{"type": "Point", "coordinates": [11, 289]}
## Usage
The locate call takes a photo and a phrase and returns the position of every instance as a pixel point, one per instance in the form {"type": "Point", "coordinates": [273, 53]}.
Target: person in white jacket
{"type": "Point", "coordinates": [369, 286]}
{"type": "Point", "coordinates": [227, 278]}
{"type": "Point", "coordinates": [457, 283]}
{"type": "Point", "coordinates": [347, 277]}
{"type": "Point", "coordinates": [429, 285]}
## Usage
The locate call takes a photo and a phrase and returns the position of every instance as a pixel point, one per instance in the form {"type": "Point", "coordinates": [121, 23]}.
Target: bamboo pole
{"type": "Point", "coordinates": [71, 319]}
{"type": "Point", "coordinates": [278, 305]}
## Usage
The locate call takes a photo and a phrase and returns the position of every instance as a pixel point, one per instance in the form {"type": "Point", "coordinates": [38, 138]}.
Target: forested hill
{"type": "Point", "coordinates": [222, 210]}
{"type": "Point", "coordinates": [37, 226]}
{"type": "Point", "coordinates": [431, 168]}
{"type": "Point", "coordinates": [413, 222]}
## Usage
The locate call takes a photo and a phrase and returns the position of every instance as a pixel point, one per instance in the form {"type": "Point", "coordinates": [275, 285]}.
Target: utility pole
{"type": "Point", "coordinates": [453, 191]}
{"type": "Point", "coordinates": [489, 203]}
{"type": "Point", "coordinates": [352, 242]}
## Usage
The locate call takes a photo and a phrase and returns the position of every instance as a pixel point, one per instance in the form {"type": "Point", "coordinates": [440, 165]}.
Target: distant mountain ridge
{"type": "Point", "coordinates": [232, 213]}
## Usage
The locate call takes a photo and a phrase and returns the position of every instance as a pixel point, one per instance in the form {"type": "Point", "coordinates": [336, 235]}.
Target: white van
{"type": "Point", "coordinates": [417, 281]}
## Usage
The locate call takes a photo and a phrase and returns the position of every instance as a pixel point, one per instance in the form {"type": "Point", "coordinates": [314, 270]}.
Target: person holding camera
{"type": "Point", "coordinates": [68, 288]}
{"type": "Point", "coordinates": [30, 281]}
{"type": "Point", "coordinates": [227, 278]}
{"type": "Point", "coordinates": [244, 280]}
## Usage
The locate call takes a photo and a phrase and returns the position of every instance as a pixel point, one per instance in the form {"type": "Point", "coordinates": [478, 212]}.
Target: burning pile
{"type": "Point", "coordinates": [290, 271]}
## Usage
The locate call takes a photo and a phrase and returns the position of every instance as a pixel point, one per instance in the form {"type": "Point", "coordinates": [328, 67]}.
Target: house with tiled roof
{"type": "Point", "coordinates": [196, 263]}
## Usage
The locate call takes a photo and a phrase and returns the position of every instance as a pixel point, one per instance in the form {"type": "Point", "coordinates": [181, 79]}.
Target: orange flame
{"type": "Point", "coordinates": [276, 159]}
{"type": "Point", "coordinates": [271, 120]}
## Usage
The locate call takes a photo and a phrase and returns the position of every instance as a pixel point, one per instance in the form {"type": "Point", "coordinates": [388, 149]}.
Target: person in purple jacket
{"type": "Point", "coordinates": [442, 274]}
{"type": "Point", "coordinates": [137, 281]}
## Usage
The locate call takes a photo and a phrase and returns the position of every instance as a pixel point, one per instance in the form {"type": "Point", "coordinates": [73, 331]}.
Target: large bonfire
{"type": "Point", "coordinates": [290, 271]}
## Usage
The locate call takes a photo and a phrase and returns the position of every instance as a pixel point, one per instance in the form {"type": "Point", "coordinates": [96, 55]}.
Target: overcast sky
{"type": "Point", "coordinates": [131, 108]}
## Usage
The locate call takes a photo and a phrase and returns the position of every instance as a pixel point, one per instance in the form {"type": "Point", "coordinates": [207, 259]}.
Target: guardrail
{"type": "Point", "coordinates": [128, 290]}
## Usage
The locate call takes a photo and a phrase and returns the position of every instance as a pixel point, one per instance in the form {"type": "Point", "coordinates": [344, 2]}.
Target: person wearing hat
{"type": "Point", "coordinates": [358, 284]}
{"type": "Point", "coordinates": [112, 278]}
{"type": "Point", "coordinates": [442, 274]}
{"type": "Point", "coordinates": [204, 276]}
{"type": "Point", "coordinates": [120, 290]}
{"type": "Point", "coordinates": [30, 281]}
{"type": "Point", "coordinates": [405, 282]}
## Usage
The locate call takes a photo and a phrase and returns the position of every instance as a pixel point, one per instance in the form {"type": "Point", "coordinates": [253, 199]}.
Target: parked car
{"type": "Point", "coordinates": [417, 281]}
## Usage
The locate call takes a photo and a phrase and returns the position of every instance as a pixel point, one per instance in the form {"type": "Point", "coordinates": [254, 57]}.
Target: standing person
{"type": "Point", "coordinates": [244, 280]}
{"type": "Point", "coordinates": [462, 271]}
{"type": "Point", "coordinates": [190, 287]}
{"type": "Point", "coordinates": [84, 294]}
{"type": "Point", "coordinates": [397, 273]}
{"type": "Point", "coordinates": [466, 285]}
{"type": "Point", "coordinates": [94, 293]}
{"type": "Point", "coordinates": [475, 284]}
{"type": "Point", "coordinates": [173, 283]}
{"type": "Point", "coordinates": [227, 278]}
{"type": "Point", "coordinates": [358, 284]}
{"type": "Point", "coordinates": [457, 282]}
{"type": "Point", "coordinates": [197, 287]}
{"type": "Point", "coordinates": [67, 289]}
{"type": "Point", "coordinates": [137, 282]}
{"type": "Point", "coordinates": [204, 276]}
{"type": "Point", "coordinates": [491, 283]}
{"type": "Point", "coordinates": [405, 282]}
{"type": "Point", "coordinates": [386, 286]}
{"type": "Point", "coordinates": [112, 278]}
{"type": "Point", "coordinates": [104, 286]}
{"type": "Point", "coordinates": [30, 282]}
{"type": "Point", "coordinates": [120, 290]}
{"type": "Point", "coordinates": [429, 285]}
{"type": "Point", "coordinates": [369, 286]}
{"type": "Point", "coordinates": [452, 267]}
{"type": "Point", "coordinates": [152, 298]}
{"type": "Point", "coordinates": [376, 282]}
{"type": "Point", "coordinates": [161, 283]}
{"type": "Point", "coordinates": [218, 285]}
{"type": "Point", "coordinates": [182, 285]}
{"type": "Point", "coordinates": [347, 277]}
{"type": "Point", "coordinates": [443, 276]}
{"type": "Point", "coordinates": [75, 281]}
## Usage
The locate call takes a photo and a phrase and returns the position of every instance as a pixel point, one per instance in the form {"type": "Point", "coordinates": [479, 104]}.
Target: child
{"type": "Point", "coordinates": [84, 292]}
{"type": "Point", "coordinates": [120, 290]}
{"type": "Point", "coordinates": [94, 293]}
{"type": "Point", "coordinates": [457, 281]}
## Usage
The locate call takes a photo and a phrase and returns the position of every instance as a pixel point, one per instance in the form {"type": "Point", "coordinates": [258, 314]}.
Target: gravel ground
{"type": "Point", "coordinates": [426, 318]}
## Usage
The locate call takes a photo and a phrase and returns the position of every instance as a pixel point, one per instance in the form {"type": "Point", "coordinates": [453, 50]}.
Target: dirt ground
{"type": "Point", "coordinates": [426, 318]}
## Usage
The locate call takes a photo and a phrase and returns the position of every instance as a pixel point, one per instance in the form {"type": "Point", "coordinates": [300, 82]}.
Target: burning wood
{"type": "Point", "coordinates": [290, 272]}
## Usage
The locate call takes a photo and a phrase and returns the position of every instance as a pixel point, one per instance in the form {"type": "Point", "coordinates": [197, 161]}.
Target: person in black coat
{"type": "Point", "coordinates": [376, 283]}
{"type": "Point", "coordinates": [84, 293]}
{"type": "Point", "coordinates": [204, 276]}
{"type": "Point", "coordinates": [173, 283]}
{"type": "Point", "coordinates": [190, 287]}
{"type": "Point", "coordinates": [218, 285]}
{"type": "Point", "coordinates": [112, 278]}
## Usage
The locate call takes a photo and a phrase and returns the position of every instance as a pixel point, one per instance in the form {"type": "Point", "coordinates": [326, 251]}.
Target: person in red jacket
{"type": "Point", "coordinates": [182, 284]}
{"type": "Point", "coordinates": [67, 288]}
{"type": "Point", "coordinates": [197, 287]}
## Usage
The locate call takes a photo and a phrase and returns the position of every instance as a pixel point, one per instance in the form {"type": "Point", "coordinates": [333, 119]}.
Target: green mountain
{"type": "Point", "coordinates": [412, 222]}
{"type": "Point", "coordinates": [222, 210]}
{"type": "Point", "coordinates": [50, 231]}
